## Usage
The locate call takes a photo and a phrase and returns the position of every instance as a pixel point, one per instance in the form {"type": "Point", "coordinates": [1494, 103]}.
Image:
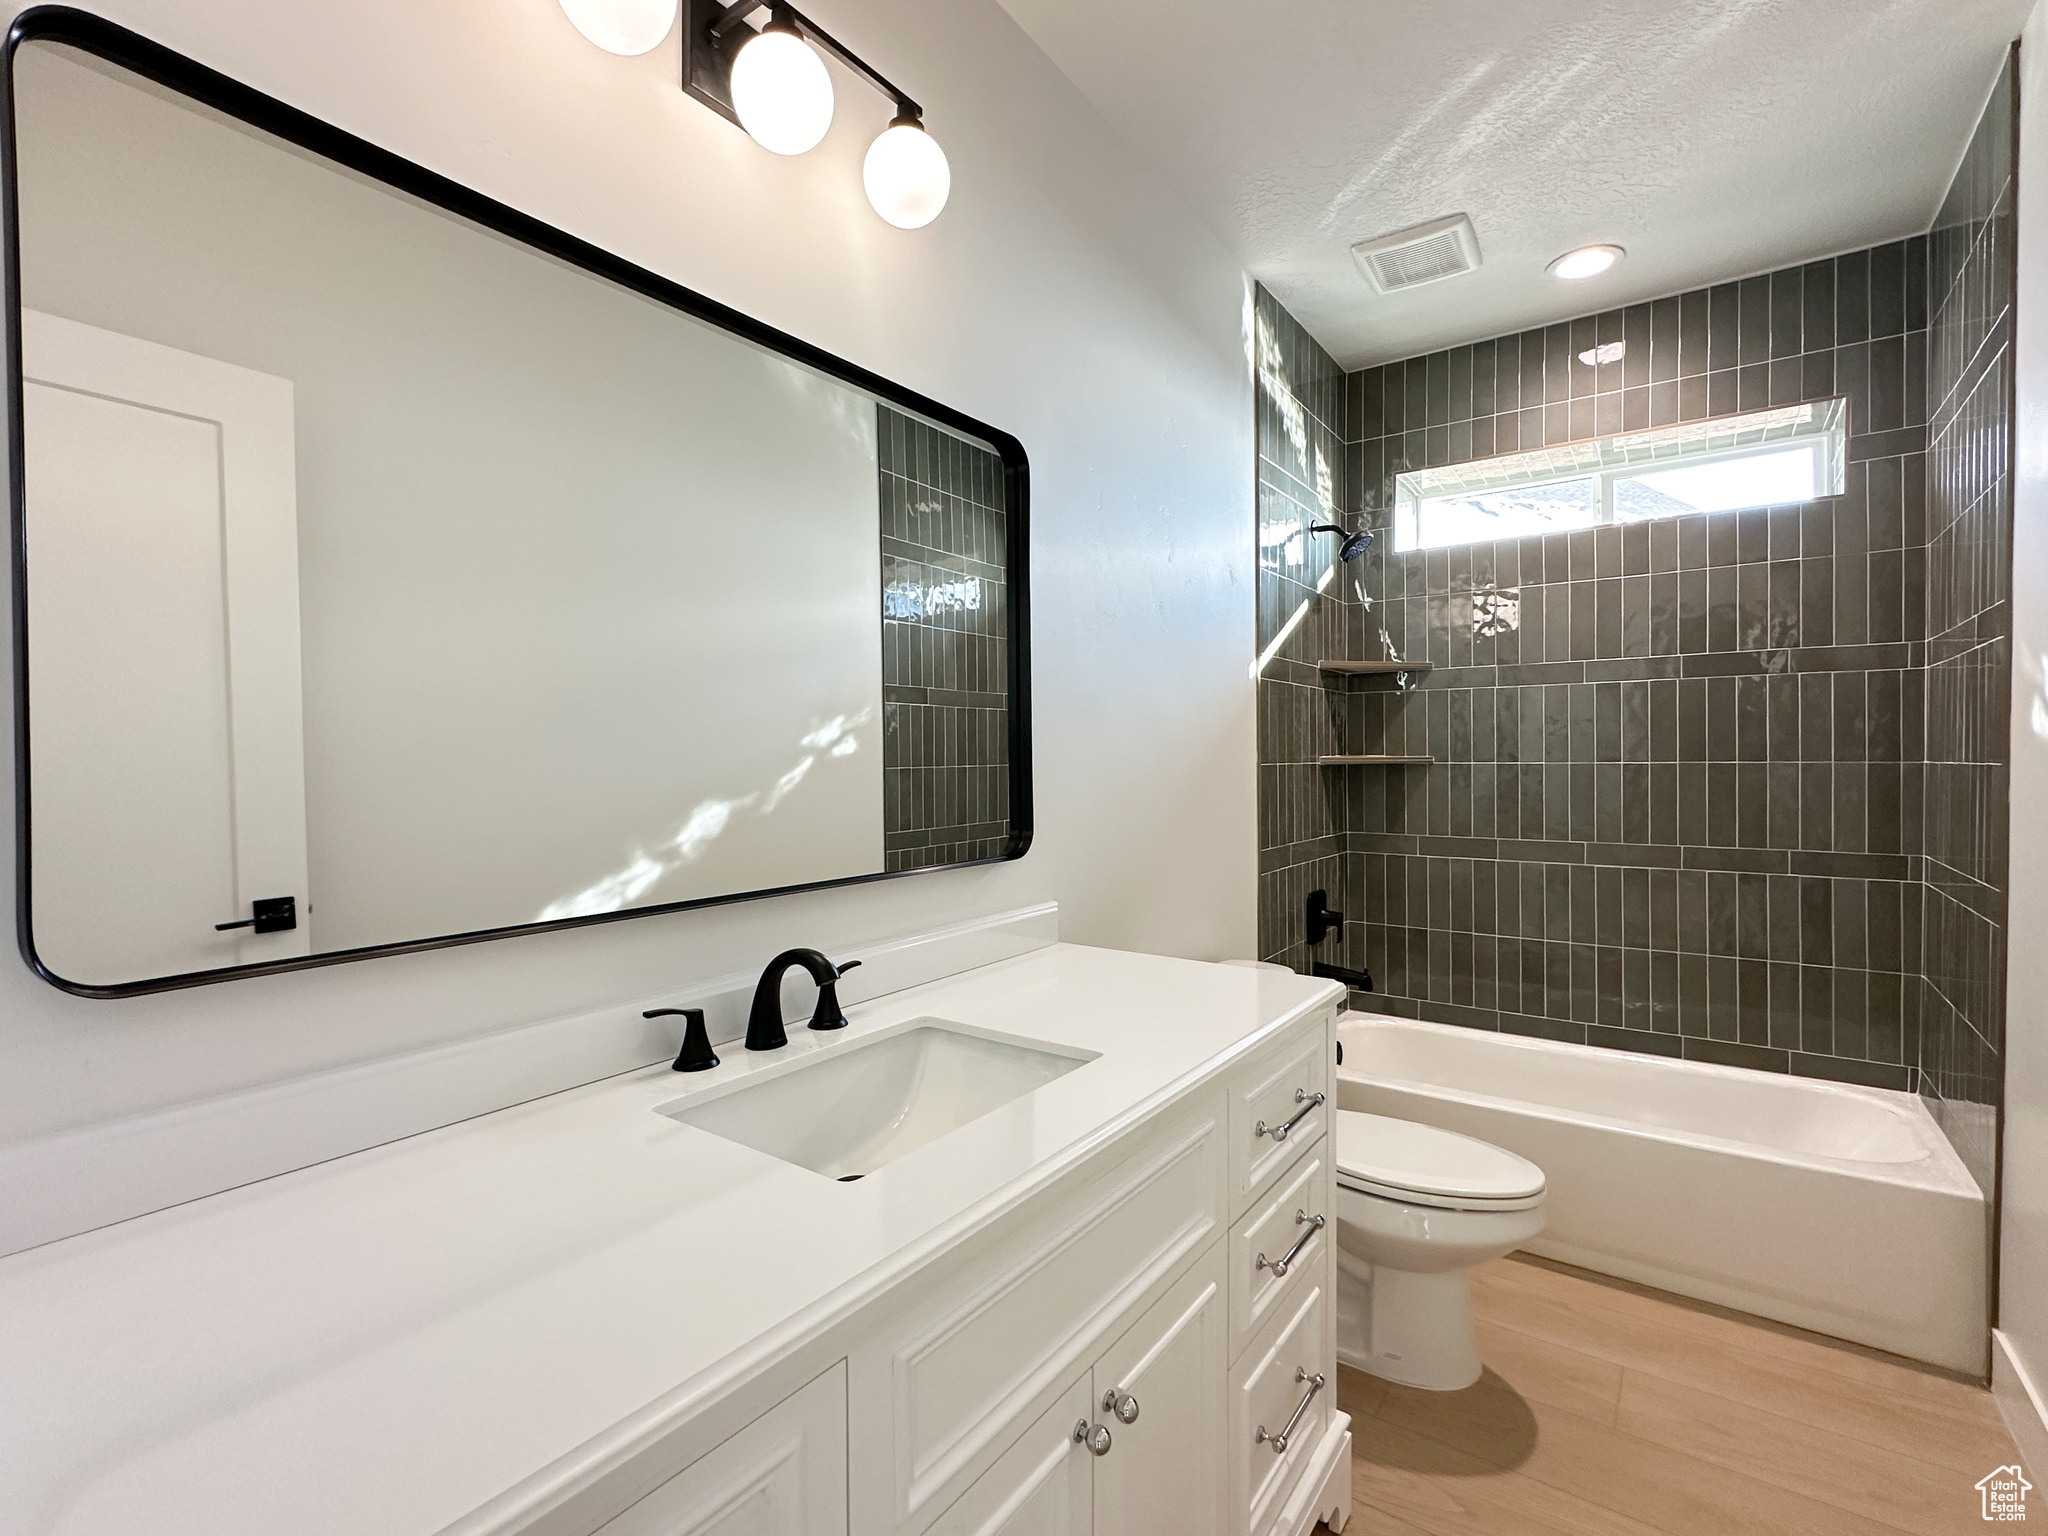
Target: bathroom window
{"type": "Point", "coordinates": [1758, 459]}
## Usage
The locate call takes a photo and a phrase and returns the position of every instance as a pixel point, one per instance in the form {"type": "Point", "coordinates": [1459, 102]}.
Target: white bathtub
{"type": "Point", "coordinates": [1839, 1209]}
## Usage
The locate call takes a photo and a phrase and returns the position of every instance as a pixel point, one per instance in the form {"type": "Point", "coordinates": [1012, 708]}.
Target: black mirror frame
{"type": "Point", "coordinates": [186, 77]}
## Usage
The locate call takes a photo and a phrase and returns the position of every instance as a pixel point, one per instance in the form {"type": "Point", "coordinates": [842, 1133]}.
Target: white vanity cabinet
{"type": "Point", "coordinates": [1109, 1187]}
{"type": "Point", "coordinates": [1126, 1351]}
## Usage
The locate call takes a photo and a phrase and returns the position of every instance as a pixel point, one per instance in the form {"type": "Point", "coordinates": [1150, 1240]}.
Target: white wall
{"type": "Point", "coordinates": [1063, 296]}
{"type": "Point", "coordinates": [2023, 1235]}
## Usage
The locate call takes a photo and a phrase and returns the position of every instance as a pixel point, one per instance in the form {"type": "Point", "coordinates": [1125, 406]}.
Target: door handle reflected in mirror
{"type": "Point", "coordinates": [272, 914]}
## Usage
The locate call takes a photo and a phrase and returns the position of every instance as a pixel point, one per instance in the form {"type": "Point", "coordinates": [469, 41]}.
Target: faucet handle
{"type": "Point", "coordinates": [696, 1054]}
{"type": "Point", "coordinates": [1323, 919]}
{"type": "Point", "coordinates": [828, 1014]}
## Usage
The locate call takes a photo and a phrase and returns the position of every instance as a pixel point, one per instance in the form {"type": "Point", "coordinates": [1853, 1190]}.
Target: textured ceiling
{"type": "Point", "coordinates": [1711, 138]}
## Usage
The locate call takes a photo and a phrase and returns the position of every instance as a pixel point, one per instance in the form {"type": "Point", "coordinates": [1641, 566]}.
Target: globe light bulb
{"type": "Point", "coordinates": [906, 175]}
{"type": "Point", "coordinates": [622, 26]}
{"type": "Point", "coordinates": [781, 92]}
{"type": "Point", "coordinates": [1587, 261]}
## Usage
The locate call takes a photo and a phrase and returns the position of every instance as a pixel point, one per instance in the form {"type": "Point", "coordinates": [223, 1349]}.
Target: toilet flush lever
{"type": "Point", "coordinates": [1308, 1102]}
{"type": "Point", "coordinates": [1280, 1265]}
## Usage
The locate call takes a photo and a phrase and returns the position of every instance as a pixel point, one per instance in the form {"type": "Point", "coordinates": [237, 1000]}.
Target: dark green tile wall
{"type": "Point", "coordinates": [1678, 781]}
{"type": "Point", "coordinates": [1726, 787]}
{"type": "Point", "coordinates": [945, 665]}
{"type": "Point", "coordinates": [1971, 271]}
{"type": "Point", "coordinates": [1306, 610]}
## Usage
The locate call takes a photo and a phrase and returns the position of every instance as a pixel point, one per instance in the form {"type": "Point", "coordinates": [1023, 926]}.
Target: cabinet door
{"type": "Point", "coordinates": [1165, 1470]}
{"type": "Point", "coordinates": [1038, 1487]}
{"type": "Point", "coordinates": [783, 1475]}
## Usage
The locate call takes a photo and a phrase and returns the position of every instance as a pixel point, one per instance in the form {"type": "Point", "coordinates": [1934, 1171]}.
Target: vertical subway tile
{"type": "Point", "coordinates": [1808, 751]}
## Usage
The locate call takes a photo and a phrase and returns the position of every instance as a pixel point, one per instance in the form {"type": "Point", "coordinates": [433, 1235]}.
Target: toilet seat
{"type": "Point", "coordinates": [1416, 1164]}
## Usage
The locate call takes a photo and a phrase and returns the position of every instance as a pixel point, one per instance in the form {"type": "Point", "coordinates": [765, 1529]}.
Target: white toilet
{"type": "Point", "coordinates": [1417, 1207]}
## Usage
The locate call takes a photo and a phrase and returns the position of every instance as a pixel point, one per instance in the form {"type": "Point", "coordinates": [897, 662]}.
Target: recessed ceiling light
{"type": "Point", "coordinates": [1586, 261]}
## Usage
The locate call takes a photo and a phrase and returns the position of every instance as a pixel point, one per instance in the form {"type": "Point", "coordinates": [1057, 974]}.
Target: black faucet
{"type": "Point", "coordinates": [764, 1021]}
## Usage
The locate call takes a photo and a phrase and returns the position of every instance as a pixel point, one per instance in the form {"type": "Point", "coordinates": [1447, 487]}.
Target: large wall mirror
{"type": "Point", "coordinates": [392, 570]}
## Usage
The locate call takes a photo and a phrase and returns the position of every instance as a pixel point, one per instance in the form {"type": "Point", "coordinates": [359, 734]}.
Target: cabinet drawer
{"type": "Point", "coordinates": [1269, 1387]}
{"type": "Point", "coordinates": [1274, 1110]}
{"type": "Point", "coordinates": [1282, 1223]}
{"type": "Point", "coordinates": [783, 1475]}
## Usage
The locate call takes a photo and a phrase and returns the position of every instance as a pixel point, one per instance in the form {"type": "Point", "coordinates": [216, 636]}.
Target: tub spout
{"type": "Point", "coordinates": [1359, 980]}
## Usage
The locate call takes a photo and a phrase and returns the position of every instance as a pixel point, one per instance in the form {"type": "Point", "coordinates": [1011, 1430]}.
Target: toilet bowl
{"type": "Point", "coordinates": [1417, 1207]}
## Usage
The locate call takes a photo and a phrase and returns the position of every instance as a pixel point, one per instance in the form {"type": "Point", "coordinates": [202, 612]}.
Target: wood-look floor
{"type": "Point", "coordinates": [1611, 1410]}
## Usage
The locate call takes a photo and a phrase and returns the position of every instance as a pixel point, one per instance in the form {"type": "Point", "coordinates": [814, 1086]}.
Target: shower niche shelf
{"type": "Point", "coordinates": [1372, 760]}
{"type": "Point", "coordinates": [1372, 668]}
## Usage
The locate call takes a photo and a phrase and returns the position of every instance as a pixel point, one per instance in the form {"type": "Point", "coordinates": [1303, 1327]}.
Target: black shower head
{"type": "Point", "coordinates": [1354, 545]}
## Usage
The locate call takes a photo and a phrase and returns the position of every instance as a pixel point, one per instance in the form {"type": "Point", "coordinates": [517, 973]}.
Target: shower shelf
{"type": "Point", "coordinates": [1372, 668]}
{"type": "Point", "coordinates": [1379, 760]}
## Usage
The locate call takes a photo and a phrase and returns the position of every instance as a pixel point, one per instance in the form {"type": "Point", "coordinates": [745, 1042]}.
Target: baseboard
{"type": "Point", "coordinates": [58, 1186]}
{"type": "Point", "coordinates": [2019, 1403]}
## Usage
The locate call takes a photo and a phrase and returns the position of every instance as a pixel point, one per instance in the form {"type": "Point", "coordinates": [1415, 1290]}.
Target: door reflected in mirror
{"type": "Point", "coordinates": [393, 555]}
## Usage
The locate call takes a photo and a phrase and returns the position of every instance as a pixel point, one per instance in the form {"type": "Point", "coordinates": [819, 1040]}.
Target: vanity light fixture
{"type": "Point", "coordinates": [623, 27]}
{"type": "Point", "coordinates": [781, 90]}
{"type": "Point", "coordinates": [773, 84]}
{"type": "Point", "coordinates": [906, 174]}
{"type": "Point", "coordinates": [1587, 261]}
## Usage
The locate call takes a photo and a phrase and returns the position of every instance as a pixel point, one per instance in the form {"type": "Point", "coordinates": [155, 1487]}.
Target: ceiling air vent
{"type": "Point", "coordinates": [1410, 257]}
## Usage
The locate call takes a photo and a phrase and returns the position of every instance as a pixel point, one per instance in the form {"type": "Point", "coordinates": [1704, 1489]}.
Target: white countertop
{"type": "Point", "coordinates": [381, 1343]}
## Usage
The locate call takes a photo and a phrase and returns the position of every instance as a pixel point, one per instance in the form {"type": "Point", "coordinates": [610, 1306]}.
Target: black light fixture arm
{"type": "Point", "coordinates": [733, 15]}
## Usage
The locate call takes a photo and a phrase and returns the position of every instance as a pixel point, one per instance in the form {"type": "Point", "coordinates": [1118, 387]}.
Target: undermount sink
{"type": "Point", "coordinates": [846, 1110]}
